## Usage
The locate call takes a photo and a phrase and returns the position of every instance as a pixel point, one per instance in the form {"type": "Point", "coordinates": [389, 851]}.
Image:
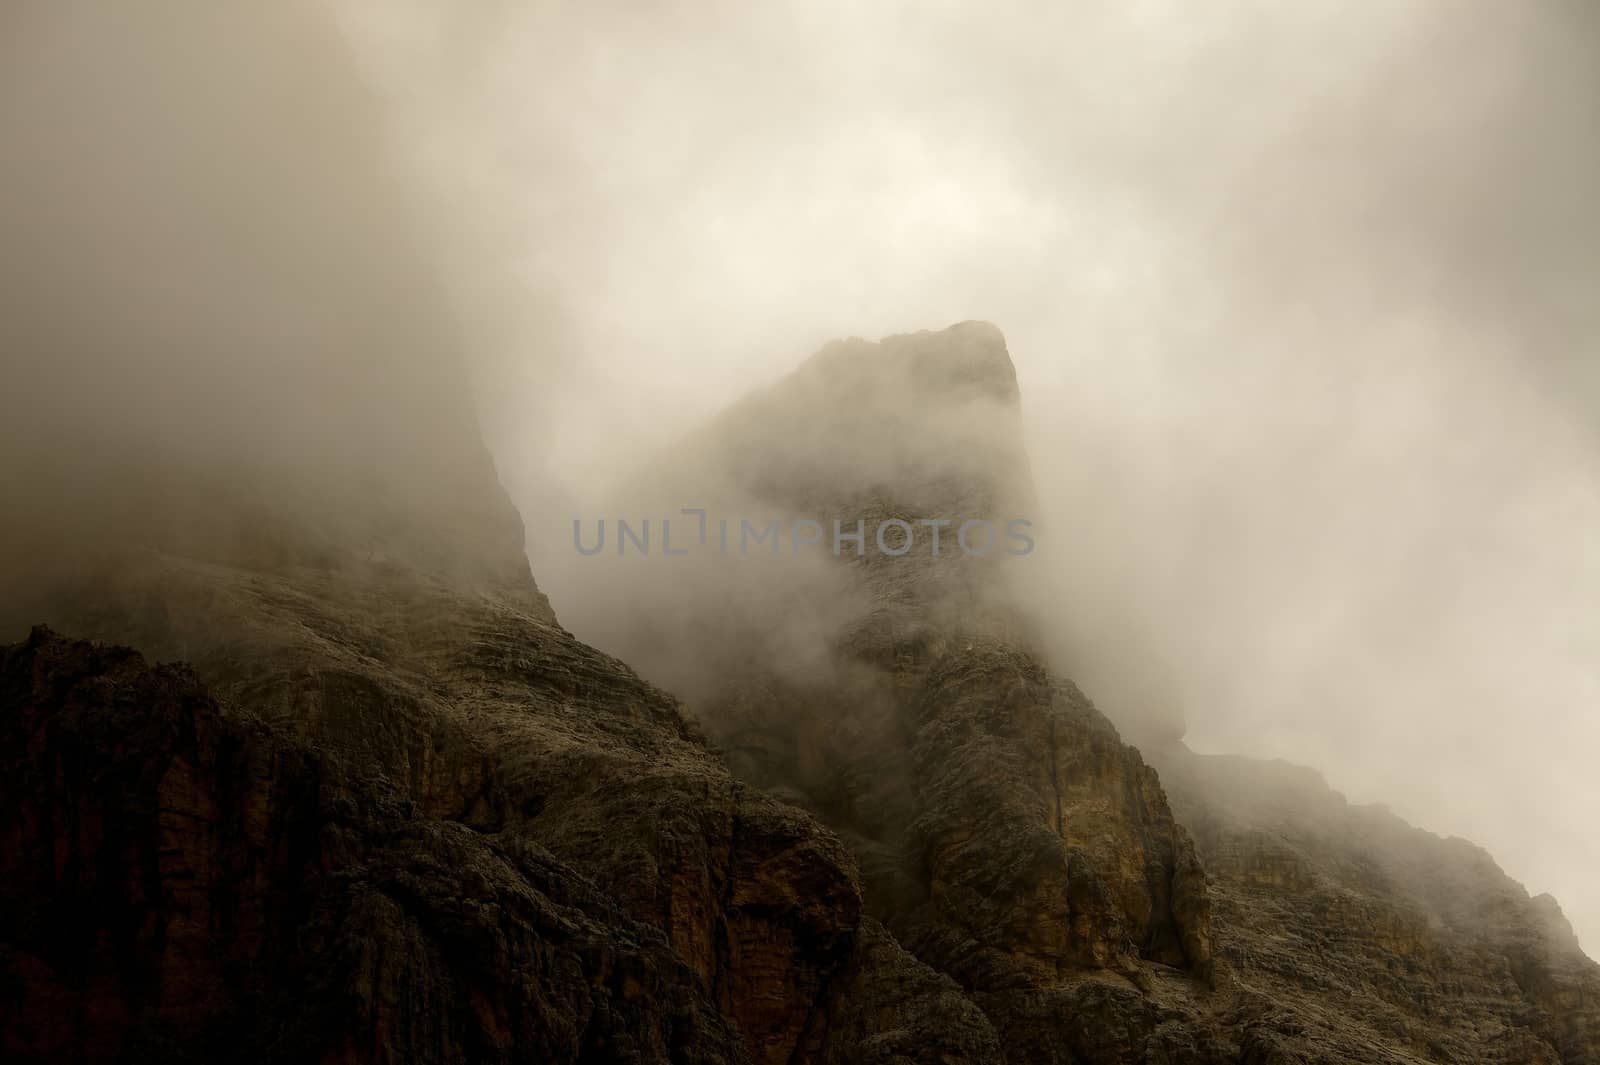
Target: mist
{"type": "Point", "coordinates": [227, 321]}
{"type": "Point", "coordinates": [1300, 300]}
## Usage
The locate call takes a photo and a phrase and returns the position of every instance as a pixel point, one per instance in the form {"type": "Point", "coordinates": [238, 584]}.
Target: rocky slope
{"type": "Point", "coordinates": [390, 810]}
{"type": "Point", "coordinates": [1383, 941]}
{"type": "Point", "coordinates": [388, 821]}
{"type": "Point", "coordinates": [1006, 835]}
{"type": "Point", "coordinates": [186, 885]}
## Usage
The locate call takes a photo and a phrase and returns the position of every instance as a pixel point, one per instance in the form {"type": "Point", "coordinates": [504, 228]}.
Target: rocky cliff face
{"type": "Point", "coordinates": [414, 829]}
{"type": "Point", "coordinates": [187, 885]}
{"type": "Point", "coordinates": [1007, 837]}
{"type": "Point", "coordinates": [1378, 939]}
{"type": "Point", "coordinates": [390, 810]}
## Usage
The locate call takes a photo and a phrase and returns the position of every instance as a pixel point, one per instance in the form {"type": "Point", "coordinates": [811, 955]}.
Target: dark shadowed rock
{"type": "Point", "coordinates": [1006, 835]}
{"type": "Point", "coordinates": [391, 811]}
{"type": "Point", "coordinates": [1366, 932]}
{"type": "Point", "coordinates": [183, 884]}
{"type": "Point", "coordinates": [533, 885]}
{"type": "Point", "coordinates": [394, 812]}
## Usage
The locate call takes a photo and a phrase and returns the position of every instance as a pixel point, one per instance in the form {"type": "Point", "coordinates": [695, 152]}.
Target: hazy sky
{"type": "Point", "coordinates": [1301, 298]}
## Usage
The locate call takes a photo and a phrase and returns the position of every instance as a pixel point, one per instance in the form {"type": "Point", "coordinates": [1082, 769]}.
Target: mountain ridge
{"type": "Point", "coordinates": [831, 743]}
{"type": "Point", "coordinates": [472, 836]}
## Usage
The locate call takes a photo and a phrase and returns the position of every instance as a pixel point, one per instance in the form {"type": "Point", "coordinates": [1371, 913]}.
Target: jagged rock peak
{"type": "Point", "coordinates": [968, 359]}
{"type": "Point", "coordinates": [923, 424]}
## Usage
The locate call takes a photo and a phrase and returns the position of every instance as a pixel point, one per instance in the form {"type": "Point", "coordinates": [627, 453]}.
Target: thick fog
{"type": "Point", "coordinates": [1301, 300]}
{"type": "Point", "coordinates": [228, 328]}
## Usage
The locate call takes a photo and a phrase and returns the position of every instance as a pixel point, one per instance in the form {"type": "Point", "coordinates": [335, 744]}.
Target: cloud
{"type": "Point", "coordinates": [1300, 298]}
